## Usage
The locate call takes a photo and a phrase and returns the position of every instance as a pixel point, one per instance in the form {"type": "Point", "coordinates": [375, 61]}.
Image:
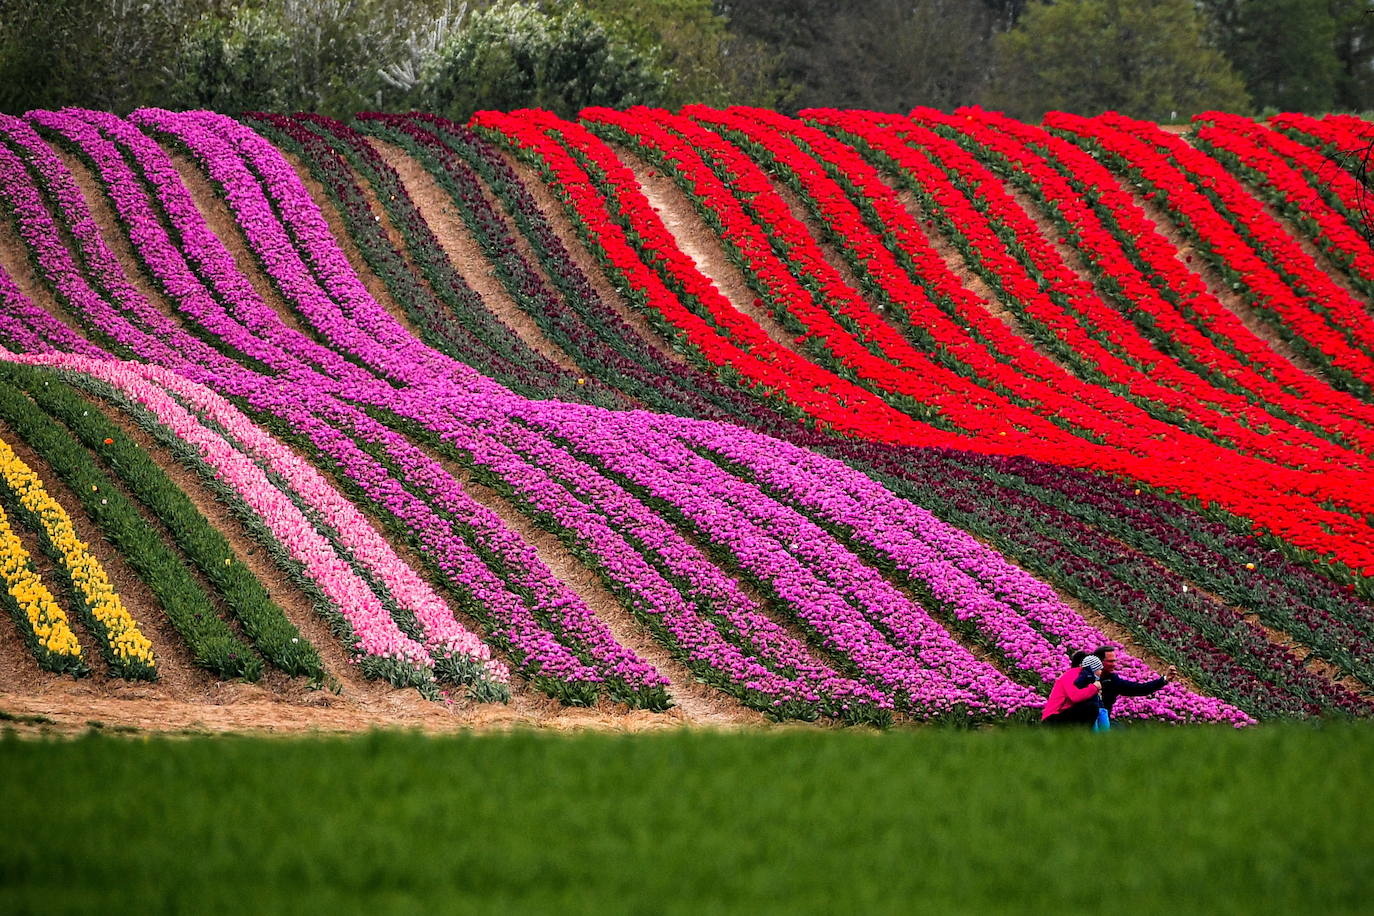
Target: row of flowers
{"type": "Point", "coordinates": [448, 313]}
{"type": "Point", "coordinates": [41, 621]}
{"type": "Point", "coordinates": [54, 421]}
{"type": "Point", "coordinates": [1139, 269]}
{"type": "Point", "coordinates": [1305, 186]}
{"type": "Point", "coordinates": [295, 411]}
{"type": "Point", "coordinates": [127, 651]}
{"type": "Point", "coordinates": [1240, 240]}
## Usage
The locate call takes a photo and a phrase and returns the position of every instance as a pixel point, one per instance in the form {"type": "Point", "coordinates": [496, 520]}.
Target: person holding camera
{"type": "Point", "coordinates": [1114, 686]}
{"type": "Point", "coordinates": [1085, 694]}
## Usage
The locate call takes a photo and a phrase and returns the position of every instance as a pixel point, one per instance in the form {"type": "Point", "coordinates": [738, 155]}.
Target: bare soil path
{"type": "Point", "coordinates": [700, 242]}
{"type": "Point", "coordinates": [465, 252]}
{"type": "Point", "coordinates": [556, 216]}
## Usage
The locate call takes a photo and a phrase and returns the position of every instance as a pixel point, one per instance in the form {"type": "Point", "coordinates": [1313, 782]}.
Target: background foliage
{"type": "Point", "coordinates": [1146, 58]}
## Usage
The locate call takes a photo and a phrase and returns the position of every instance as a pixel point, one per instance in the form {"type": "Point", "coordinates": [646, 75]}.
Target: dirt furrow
{"type": "Point", "coordinates": [465, 252]}
{"type": "Point", "coordinates": [700, 242]}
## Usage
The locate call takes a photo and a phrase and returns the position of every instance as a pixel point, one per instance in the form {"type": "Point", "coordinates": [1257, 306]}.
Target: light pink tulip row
{"type": "Point", "coordinates": [377, 634]}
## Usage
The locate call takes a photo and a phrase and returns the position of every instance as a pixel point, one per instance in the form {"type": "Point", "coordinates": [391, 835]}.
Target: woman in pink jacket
{"type": "Point", "coordinates": [1063, 707]}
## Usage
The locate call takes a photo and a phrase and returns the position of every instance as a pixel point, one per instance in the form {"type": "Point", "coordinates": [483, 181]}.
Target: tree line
{"type": "Point", "coordinates": [1157, 59]}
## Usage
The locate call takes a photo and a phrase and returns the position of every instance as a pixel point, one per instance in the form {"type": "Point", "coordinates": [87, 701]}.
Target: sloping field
{"type": "Point", "coordinates": [718, 417]}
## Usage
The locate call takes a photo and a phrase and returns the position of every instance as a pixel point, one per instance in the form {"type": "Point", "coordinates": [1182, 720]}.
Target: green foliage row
{"type": "Point", "coordinates": [186, 604]}
{"type": "Point", "coordinates": [1016, 820]}
{"type": "Point", "coordinates": [244, 595]}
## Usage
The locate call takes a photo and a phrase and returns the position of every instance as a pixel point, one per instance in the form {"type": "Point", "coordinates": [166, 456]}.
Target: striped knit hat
{"type": "Point", "coordinates": [1092, 663]}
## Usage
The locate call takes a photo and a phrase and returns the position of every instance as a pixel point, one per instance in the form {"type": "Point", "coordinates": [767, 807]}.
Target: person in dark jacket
{"type": "Point", "coordinates": [1114, 685]}
{"type": "Point", "coordinates": [1090, 672]}
{"type": "Point", "coordinates": [1071, 710]}
{"type": "Point", "coordinates": [1069, 698]}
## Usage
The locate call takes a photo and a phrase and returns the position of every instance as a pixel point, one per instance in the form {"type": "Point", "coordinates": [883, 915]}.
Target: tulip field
{"type": "Point", "coordinates": [716, 416]}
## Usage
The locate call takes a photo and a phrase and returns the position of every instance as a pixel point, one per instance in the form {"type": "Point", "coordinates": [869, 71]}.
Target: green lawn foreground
{"type": "Point", "coordinates": [1272, 819]}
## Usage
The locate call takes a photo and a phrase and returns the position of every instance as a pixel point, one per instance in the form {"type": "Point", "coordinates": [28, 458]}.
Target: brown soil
{"type": "Point", "coordinates": [465, 252]}
{"type": "Point", "coordinates": [585, 261]}
{"type": "Point", "coordinates": [700, 242]}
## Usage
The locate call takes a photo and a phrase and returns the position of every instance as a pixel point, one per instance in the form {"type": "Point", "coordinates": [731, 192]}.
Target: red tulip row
{"type": "Point", "coordinates": [1244, 241]}
{"type": "Point", "coordinates": [1041, 287]}
{"type": "Point", "coordinates": [1290, 175]}
{"type": "Point", "coordinates": [754, 126]}
{"type": "Point", "coordinates": [1160, 288]}
{"type": "Point", "coordinates": [1351, 490]}
{"type": "Point", "coordinates": [633, 242]}
{"type": "Point", "coordinates": [1289, 503]}
{"type": "Point", "coordinates": [834, 313]}
{"type": "Point", "coordinates": [1198, 378]}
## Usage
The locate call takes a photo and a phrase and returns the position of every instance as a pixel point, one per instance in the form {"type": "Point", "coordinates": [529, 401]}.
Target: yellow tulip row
{"type": "Point", "coordinates": [57, 644]}
{"type": "Point", "coordinates": [129, 652]}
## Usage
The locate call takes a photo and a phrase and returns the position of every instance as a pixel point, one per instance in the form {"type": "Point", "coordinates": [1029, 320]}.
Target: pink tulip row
{"type": "Point", "coordinates": [252, 461]}
{"type": "Point", "coordinates": [1023, 616]}
{"type": "Point", "coordinates": [460, 563]}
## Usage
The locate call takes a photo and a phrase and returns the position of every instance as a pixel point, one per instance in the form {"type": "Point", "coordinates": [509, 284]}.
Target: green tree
{"type": "Point", "coordinates": [513, 55]}
{"type": "Point", "coordinates": [882, 54]}
{"type": "Point", "coordinates": [316, 55]}
{"type": "Point", "coordinates": [710, 64]}
{"type": "Point", "coordinates": [95, 53]}
{"type": "Point", "coordinates": [1144, 58]}
{"type": "Point", "coordinates": [1284, 50]}
{"type": "Point", "coordinates": [1354, 22]}
{"type": "Point", "coordinates": [233, 63]}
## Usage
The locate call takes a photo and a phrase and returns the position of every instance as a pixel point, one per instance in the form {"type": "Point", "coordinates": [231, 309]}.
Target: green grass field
{"type": "Point", "coordinates": [940, 821]}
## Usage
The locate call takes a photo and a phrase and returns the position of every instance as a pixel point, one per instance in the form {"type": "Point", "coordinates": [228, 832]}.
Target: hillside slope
{"type": "Point", "coordinates": [850, 418]}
